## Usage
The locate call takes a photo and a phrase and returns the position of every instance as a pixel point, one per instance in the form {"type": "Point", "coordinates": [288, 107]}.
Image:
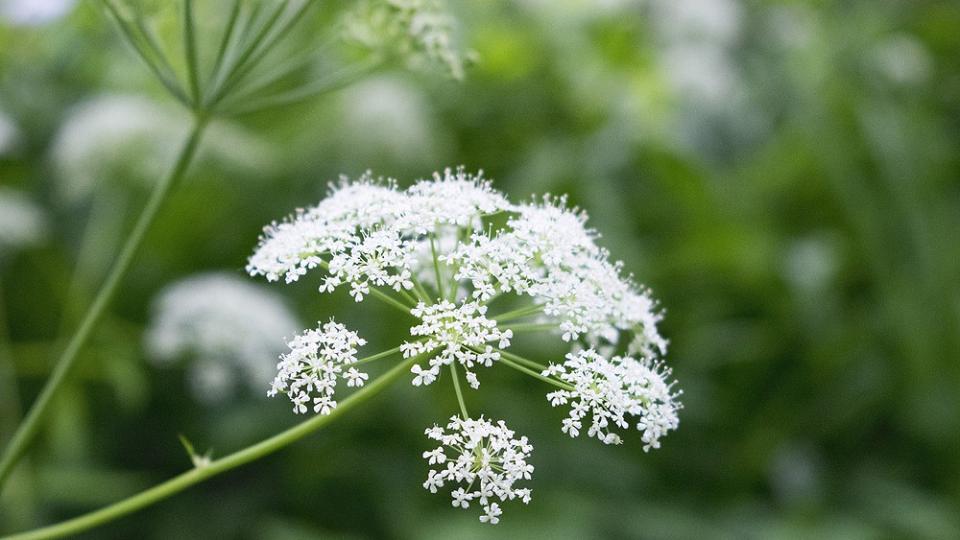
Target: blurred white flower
{"type": "Point", "coordinates": [419, 31]}
{"type": "Point", "coordinates": [34, 12]}
{"type": "Point", "coordinates": [124, 138]}
{"type": "Point", "coordinates": [810, 264]}
{"type": "Point", "coordinates": [902, 59]}
{"type": "Point", "coordinates": [485, 458]}
{"type": "Point", "coordinates": [698, 20]}
{"type": "Point", "coordinates": [795, 473]}
{"type": "Point", "coordinates": [22, 223]}
{"type": "Point", "coordinates": [386, 118]}
{"type": "Point", "coordinates": [229, 330]}
{"type": "Point", "coordinates": [696, 40]}
{"type": "Point", "coordinates": [702, 74]}
{"type": "Point", "coordinates": [792, 25]}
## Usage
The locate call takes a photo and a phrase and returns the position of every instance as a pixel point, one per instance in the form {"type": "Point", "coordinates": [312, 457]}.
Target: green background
{"type": "Point", "coordinates": [783, 175]}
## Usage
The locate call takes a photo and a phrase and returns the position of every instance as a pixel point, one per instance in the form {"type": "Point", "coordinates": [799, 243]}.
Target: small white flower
{"type": "Point", "coordinates": [355, 378]}
{"type": "Point", "coordinates": [485, 458]}
{"type": "Point", "coordinates": [491, 514]}
{"type": "Point", "coordinates": [424, 376]}
{"type": "Point", "coordinates": [315, 361]}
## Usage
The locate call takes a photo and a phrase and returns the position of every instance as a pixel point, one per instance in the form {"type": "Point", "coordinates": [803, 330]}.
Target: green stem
{"type": "Point", "coordinates": [436, 266]}
{"type": "Point", "coordinates": [323, 85]}
{"type": "Point", "coordinates": [100, 238]}
{"type": "Point", "coordinates": [378, 356]}
{"type": "Point", "coordinates": [20, 506]}
{"type": "Point", "coordinates": [228, 44]}
{"type": "Point", "coordinates": [420, 290]}
{"type": "Point", "coordinates": [146, 48]}
{"type": "Point", "coordinates": [30, 426]}
{"type": "Point", "coordinates": [406, 296]}
{"type": "Point", "coordinates": [519, 312]}
{"type": "Point", "coordinates": [456, 386]}
{"type": "Point", "coordinates": [238, 66]}
{"type": "Point", "coordinates": [377, 293]}
{"type": "Point", "coordinates": [505, 359]}
{"type": "Point", "coordinates": [524, 361]}
{"type": "Point", "coordinates": [528, 327]}
{"type": "Point", "coordinates": [226, 463]}
{"type": "Point", "coordinates": [190, 52]}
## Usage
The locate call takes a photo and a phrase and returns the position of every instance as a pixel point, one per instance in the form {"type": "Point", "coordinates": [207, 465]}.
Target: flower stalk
{"type": "Point", "coordinates": [30, 426]}
{"type": "Point", "coordinates": [218, 466]}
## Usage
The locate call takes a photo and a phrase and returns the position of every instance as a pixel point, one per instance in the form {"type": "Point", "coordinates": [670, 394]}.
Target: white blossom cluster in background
{"type": "Point", "coordinates": [117, 137]}
{"type": "Point", "coordinates": [22, 223]}
{"type": "Point", "coordinates": [484, 458]}
{"type": "Point", "coordinates": [226, 329]}
{"type": "Point", "coordinates": [471, 270]}
{"type": "Point", "coordinates": [419, 31]}
{"type": "Point", "coordinates": [34, 12]}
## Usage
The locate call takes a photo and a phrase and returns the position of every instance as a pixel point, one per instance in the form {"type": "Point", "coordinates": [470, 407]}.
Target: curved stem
{"type": "Point", "coordinates": [378, 356]}
{"type": "Point", "coordinates": [190, 53]}
{"type": "Point", "coordinates": [145, 46]}
{"type": "Point", "coordinates": [19, 502]}
{"type": "Point", "coordinates": [512, 360]}
{"type": "Point", "coordinates": [420, 290]}
{"type": "Point", "coordinates": [31, 424]}
{"type": "Point", "coordinates": [456, 386]}
{"type": "Point", "coordinates": [529, 327]}
{"type": "Point", "coordinates": [436, 266]}
{"type": "Point", "coordinates": [524, 361]}
{"type": "Point", "coordinates": [232, 461]}
{"type": "Point", "coordinates": [406, 296]}
{"type": "Point", "coordinates": [519, 312]}
{"type": "Point", "coordinates": [534, 374]}
{"type": "Point", "coordinates": [377, 293]}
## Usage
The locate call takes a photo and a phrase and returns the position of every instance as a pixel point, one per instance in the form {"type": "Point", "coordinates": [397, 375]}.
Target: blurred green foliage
{"type": "Point", "coordinates": [782, 174]}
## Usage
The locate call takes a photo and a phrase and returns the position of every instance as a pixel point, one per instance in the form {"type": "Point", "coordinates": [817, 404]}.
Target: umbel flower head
{"type": "Point", "coordinates": [471, 270]}
{"type": "Point", "coordinates": [485, 458]}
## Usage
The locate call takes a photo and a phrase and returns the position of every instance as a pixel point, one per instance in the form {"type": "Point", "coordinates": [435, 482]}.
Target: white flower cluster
{"type": "Point", "coordinates": [445, 251]}
{"type": "Point", "coordinates": [546, 251]}
{"type": "Point", "coordinates": [229, 327]}
{"type": "Point", "coordinates": [317, 358]}
{"type": "Point", "coordinates": [483, 456]}
{"type": "Point", "coordinates": [610, 389]}
{"type": "Point", "coordinates": [368, 233]}
{"type": "Point", "coordinates": [459, 334]}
